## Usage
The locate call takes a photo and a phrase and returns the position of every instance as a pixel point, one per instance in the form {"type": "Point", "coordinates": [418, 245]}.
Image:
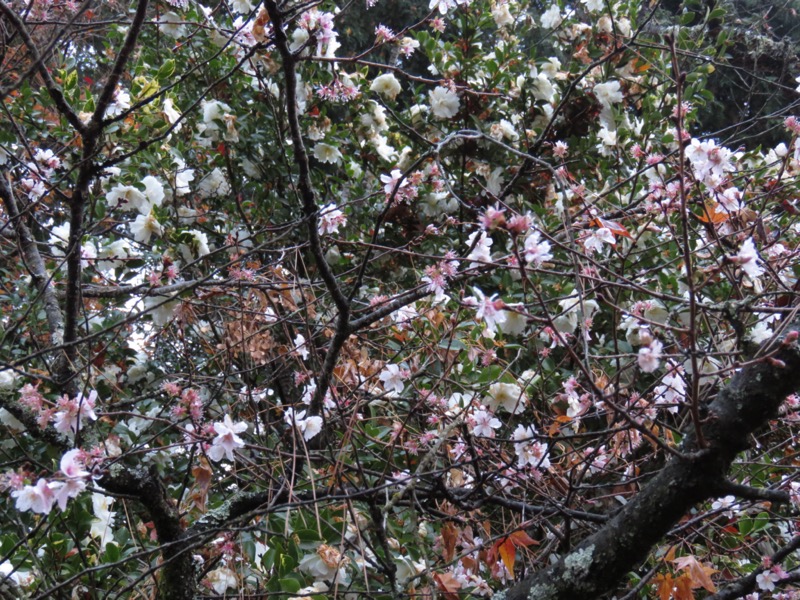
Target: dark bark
{"type": "Point", "coordinates": [600, 561]}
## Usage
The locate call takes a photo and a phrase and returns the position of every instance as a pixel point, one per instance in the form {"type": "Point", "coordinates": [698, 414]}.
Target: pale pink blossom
{"type": "Point", "coordinates": [595, 240]}
{"type": "Point", "coordinates": [37, 498]}
{"type": "Point", "coordinates": [748, 259]}
{"type": "Point", "coordinates": [650, 356]}
{"type": "Point", "coordinates": [307, 426]}
{"type": "Point", "coordinates": [537, 251]}
{"type": "Point", "coordinates": [392, 377]}
{"type": "Point", "coordinates": [484, 423]}
{"type": "Point", "coordinates": [68, 419]}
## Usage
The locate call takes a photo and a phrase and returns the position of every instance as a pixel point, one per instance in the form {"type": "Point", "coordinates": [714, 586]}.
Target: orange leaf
{"type": "Point", "coordinates": [449, 538]}
{"type": "Point", "coordinates": [520, 538]}
{"type": "Point", "coordinates": [683, 588]}
{"type": "Point", "coordinates": [711, 214]}
{"type": "Point", "coordinates": [508, 552]}
{"type": "Point", "coordinates": [613, 226]}
{"type": "Point", "coordinates": [698, 573]}
{"type": "Point", "coordinates": [448, 584]}
{"type": "Point", "coordinates": [665, 585]}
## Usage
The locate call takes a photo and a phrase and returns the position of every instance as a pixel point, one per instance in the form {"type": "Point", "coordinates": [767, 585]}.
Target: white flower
{"type": "Point", "coordinates": [594, 5]}
{"type": "Point", "coordinates": [154, 192]}
{"type": "Point", "coordinates": [104, 518]}
{"type": "Point", "coordinates": [144, 227]}
{"type": "Point", "coordinates": [509, 396]}
{"type": "Point", "coordinates": [766, 580]}
{"type": "Point", "coordinates": [327, 563]}
{"type": "Point", "coordinates": [75, 474]}
{"type": "Point", "coordinates": [59, 238]}
{"type": "Point", "coordinates": [551, 18]}
{"type": "Point", "coordinates": [650, 356]}
{"type": "Point", "coordinates": [386, 85]}
{"type": "Point", "coordinates": [392, 377]}
{"type": "Point", "coordinates": [8, 380]}
{"type": "Point", "coordinates": [197, 247]}
{"type": "Point", "coordinates": [73, 412]}
{"type": "Point", "coordinates": [241, 6]}
{"type": "Point", "coordinates": [171, 24]}
{"type": "Point", "coordinates": [171, 114]}
{"type": "Point", "coordinates": [608, 93]}
{"type": "Point", "coordinates": [214, 184]}
{"type": "Point", "coordinates": [482, 250]}
{"type": "Point", "coordinates": [222, 578]}
{"type": "Point", "coordinates": [442, 5]}
{"type": "Point", "coordinates": [160, 309]}
{"type": "Point", "coordinates": [672, 390]}
{"type": "Point", "coordinates": [227, 439]}
{"type": "Point", "coordinates": [127, 197]}
{"type": "Point", "coordinates": [301, 346]}
{"type": "Point", "coordinates": [543, 89]}
{"type": "Point", "coordinates": [307, 426]}
{"type": "Point", "coordinates": [501, 15]}
{"type": "Point", "coordinates": [327, 154]}
{"type": "Point", "coordinates": [748, 259]}
{"type": "Point", "coordinates": [489, 310]}
{"type": "Point", "coordinates": [113, 255]}
{"type": "Point", "coordinates": [444, 102]}
{"type": "Point", "coordinates": [528, 451]}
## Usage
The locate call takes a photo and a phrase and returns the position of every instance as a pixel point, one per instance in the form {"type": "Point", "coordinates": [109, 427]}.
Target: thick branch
{"type": "Point", "coordinates": [600, 561]}
{"type": "Point", "coordinates": [178, 580]}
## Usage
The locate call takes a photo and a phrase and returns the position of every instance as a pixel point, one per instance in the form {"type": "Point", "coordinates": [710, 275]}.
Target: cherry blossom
{"type": "Point", "coordinates": [307, 426]}
{"type": "Point", "coordinates": [227, 439]}
{"type": "Point", "coordinates": [72, 413]}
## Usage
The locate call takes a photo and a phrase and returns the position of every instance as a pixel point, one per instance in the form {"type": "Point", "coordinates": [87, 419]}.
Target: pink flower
{"type": "Point", "coordinates": [537, 251]}
{"type": "Point", "coordinates": [484, 423]}
{"type": "Point", "coordinates": [595, 240]}
{"type": "Point", "coordinates": [37, 498]}
{"type": "Point", "coordinates": [227, 439]}
{"type": "Point", "coordinates": [68, 419]}
{"type": "Point", "coordinates": [392, 377]}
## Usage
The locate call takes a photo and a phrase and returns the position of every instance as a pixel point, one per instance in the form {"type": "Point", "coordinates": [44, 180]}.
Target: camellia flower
{"type": "Point", "coordinates": [307, 426]}
{"type": "Point", "coordinates": [444, 102]}
{"type": "Point", "coordinates": [386, 85]}
{"type": "Point", "coordinates": [551, 18]}
{"type": "Point", "coordinates": [327, 153]}
{"type": "Point", "coordinates": [482, 250]}
{"type": "Point", "coordinates": [608, 93]}
{"type": "Point", "coordinates": [509, 396]}
{"type": "Point", "coordinates": [103, 519]}
{"type": "Point", "coordinates": [144, 227]}
{"type": "Point", "coordinates": [227, 439]}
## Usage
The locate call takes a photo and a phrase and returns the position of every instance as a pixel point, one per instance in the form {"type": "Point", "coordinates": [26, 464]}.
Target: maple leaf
{"type": "Point", "coordinates": [448, 584]}
{"type": "Point", "coordinates": [698, 573]}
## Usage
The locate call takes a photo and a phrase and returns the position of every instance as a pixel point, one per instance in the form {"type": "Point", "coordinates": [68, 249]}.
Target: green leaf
{"type": "Point", "coordinates": [166, 70]}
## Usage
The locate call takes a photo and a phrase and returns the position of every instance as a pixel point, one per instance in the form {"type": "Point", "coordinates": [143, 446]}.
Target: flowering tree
{"type": "Point", "coordinates": [480, 308]}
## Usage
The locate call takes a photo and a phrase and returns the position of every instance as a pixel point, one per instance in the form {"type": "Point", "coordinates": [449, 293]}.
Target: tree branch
{"type": "Point", "coordinates": [599, 562]}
